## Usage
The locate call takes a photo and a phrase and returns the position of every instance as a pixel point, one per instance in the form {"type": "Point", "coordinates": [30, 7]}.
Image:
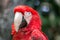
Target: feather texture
{"type": "Point", "coordinates": [33, 30]}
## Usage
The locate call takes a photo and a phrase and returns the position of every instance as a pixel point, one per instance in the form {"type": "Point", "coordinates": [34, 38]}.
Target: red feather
{"type": "Point", "coordinates": [33, 30]}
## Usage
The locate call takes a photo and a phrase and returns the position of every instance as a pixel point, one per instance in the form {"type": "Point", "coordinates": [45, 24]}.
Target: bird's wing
{"type": "Point", "coordinates": [38, 35]}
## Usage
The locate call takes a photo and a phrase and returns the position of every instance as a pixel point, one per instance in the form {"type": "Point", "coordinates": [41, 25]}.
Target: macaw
{"type": "Point", "coordinates": [27, 24]}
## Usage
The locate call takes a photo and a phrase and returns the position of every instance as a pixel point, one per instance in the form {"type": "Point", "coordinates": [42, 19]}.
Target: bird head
{"type": "Point", "coordinates": [24, 16]}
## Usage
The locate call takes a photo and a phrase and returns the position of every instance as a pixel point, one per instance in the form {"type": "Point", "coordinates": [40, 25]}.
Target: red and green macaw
{"type": "Point", "coordinates": [27, 24]}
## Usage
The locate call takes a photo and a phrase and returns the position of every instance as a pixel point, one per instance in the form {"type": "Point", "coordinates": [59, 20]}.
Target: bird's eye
{"type": "Point", "coordinates": [28, 13]}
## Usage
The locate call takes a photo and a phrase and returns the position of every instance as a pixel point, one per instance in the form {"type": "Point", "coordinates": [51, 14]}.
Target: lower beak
{"type": "Point", "coordinates": [23, 24]}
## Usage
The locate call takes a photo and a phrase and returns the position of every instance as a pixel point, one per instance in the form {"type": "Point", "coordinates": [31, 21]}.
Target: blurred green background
{"type": "Point", "coordinates": [49, 11]}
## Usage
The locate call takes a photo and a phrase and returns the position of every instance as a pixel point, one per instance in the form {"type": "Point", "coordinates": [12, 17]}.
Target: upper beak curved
{"type": "Point", "coordinates": [17, 20]}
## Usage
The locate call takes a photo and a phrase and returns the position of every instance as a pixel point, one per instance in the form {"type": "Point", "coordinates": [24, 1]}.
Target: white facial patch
{"type": "Point", "coordinates": [27, 16]}
{"type": "Point", "coordinates": [17, 20]}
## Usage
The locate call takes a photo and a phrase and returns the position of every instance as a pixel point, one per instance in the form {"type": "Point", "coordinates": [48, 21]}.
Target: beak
{"type": "Point", "coordinates": [17, 20]}
{"type": "Point", "coordinates": [23, 23]}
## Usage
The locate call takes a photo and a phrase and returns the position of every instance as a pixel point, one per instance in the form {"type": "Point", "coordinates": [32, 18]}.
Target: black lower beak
{"type": "Point", "coordinates": [24, 23]}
